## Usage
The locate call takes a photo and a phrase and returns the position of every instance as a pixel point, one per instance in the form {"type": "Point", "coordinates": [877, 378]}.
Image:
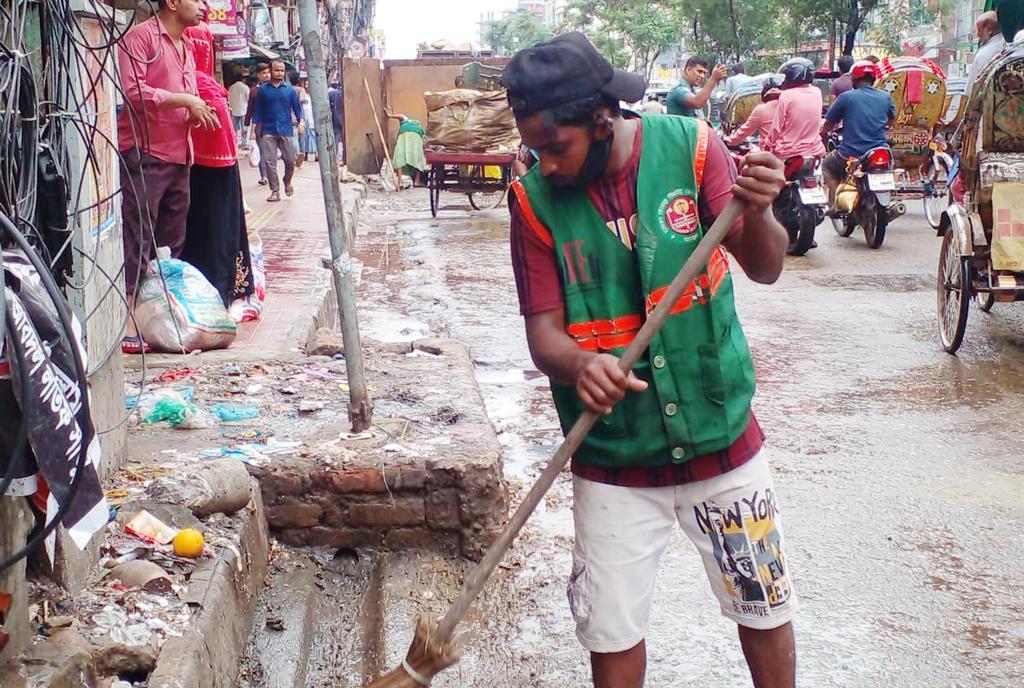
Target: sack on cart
{"type": "Point", "coordinates": [470, 121]}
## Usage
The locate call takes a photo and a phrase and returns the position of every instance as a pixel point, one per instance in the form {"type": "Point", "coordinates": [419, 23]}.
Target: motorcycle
{"type": "Point", "coordinates": [800, 207]}
{"type": "Point", "coordinates": [865, 198]}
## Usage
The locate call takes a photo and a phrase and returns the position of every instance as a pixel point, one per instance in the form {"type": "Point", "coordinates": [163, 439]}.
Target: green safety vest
{"type": "Point", "coordinates": [698, 368]}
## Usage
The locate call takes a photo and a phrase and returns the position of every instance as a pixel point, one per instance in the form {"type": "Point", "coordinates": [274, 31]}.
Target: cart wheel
{"type": "Point", "coordinates": [486, 200]}
{"type": "Point", "coordinates": [876, 217]}
{"type": "Point", "coordinates": [434, 183]}
{"type": "Point", "coordinates": [985, 301]}
{"type": "Point", "coordinates": [954, 294]}
{"type": "Point", "coordinates": [937, 200]}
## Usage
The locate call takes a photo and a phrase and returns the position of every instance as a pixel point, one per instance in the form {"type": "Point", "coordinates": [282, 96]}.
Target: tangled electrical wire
{"type": "Point", "coordinates": [58, 162]}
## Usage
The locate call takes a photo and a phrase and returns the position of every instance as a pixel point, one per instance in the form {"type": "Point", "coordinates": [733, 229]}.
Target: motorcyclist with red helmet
{"type": "Point", "coordinates": [865, 113]}
{"type": "Point", "coordinates": [794, 131]}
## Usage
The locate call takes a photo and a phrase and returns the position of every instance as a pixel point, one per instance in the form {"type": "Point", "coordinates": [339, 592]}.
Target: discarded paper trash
{"type": "Point", "coordinates": [151, 529]}
{"type": "Point", "coordinates": [143, 574]}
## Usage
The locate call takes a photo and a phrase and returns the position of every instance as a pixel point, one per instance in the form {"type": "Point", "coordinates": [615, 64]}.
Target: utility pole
{"type": "Point", "coordinates": [360, 408]}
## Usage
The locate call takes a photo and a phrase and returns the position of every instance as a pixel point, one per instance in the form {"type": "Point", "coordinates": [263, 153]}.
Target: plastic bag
{"type": "Point", "coordinates": [170, 405]}
{"type": "Point", "coordinates": [259, 267]}
{"type": "Point", "coordinates": [254, 154]}
{"type": "Point", "coordinates": [189, 316]}
{"type": "Point", "coordinates": [232, 412]}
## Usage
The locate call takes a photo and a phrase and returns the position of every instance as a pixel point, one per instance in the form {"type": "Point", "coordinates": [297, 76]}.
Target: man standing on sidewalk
{"type": "Point", "coordinates": [276, 102]}
{"type": "Point", "coordinates": [262, 77]}
{"type": "Point", "coordinates": [158, 77]}
{"type": "Point", "coordinates": [337, 118]}
{"type": "Point", "coordinates": [238, 100]}
{"type": "Point", "coordinates": [600, 226]}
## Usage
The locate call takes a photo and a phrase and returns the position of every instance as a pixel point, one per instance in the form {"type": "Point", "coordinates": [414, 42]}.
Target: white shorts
{"type": "Point", "coordinates": [733, 519]}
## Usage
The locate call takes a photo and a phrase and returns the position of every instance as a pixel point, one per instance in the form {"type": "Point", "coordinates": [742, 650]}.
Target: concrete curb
{"type": "Point", "coordinates": [209, 655]}
{"type": "Point", "coordinates": [324, 313]}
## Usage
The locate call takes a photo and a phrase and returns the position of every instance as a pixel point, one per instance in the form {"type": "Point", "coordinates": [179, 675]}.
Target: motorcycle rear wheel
{"type": "Point", "coordinates": [801, 240]}
{"type": "Point", "coordinates": [874, 218]}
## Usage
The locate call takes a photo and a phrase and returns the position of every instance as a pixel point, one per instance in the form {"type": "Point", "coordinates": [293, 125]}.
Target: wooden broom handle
{"type": "Point", "coordinates": [380, 132]}
{"type": "Point", "coordinates": [478, 576]}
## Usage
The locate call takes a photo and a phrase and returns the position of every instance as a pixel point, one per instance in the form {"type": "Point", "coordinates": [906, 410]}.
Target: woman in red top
{"type": "Point", "coordinates": [216, 239]}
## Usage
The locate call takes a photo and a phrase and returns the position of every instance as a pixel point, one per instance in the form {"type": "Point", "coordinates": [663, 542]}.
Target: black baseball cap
{"type": "Point", "coordinates": [562, 70]}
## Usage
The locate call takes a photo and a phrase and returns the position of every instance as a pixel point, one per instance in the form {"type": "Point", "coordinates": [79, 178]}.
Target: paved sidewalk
{"type": "Point", "coordinates": [294, 233]}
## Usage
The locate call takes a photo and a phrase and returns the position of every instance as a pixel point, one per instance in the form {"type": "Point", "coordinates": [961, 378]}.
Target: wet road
{"type": "Point", "coordinates": [897, 468]}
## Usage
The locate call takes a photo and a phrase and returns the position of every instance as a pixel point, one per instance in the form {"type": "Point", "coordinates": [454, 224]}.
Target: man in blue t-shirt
{"type": "Point", "coordinates": [865, 112]}
{"type": "Point", "coordinates": [275, 104]}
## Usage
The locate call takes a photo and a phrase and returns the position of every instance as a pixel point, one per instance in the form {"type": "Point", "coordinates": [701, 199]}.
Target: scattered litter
{"type": "Point", "coordinates": [345, 388]}
{"type": "Point", "coordinates": [143, 574]}
{"type": "Point", "coordinates": [254, 389]}
{"type": "Point", "coordinates": [348, 436]}
{"type": "Point", "coordinates": [275, 623]}
{"type": "Point", "coordinates": [233, 412]}
{"type": "Point", "coordinates": [307, 406]}
{"type": "Point", "coordinates": [393, 448]}
{"type": "Point", "coordinates": [288, 390]}
{"type": "Point", "coordinates": [132, 398]}
{"type": "Point", "coordinates": [113, 621]}
{"type": "Point", "coordinates": [168, 404]}
{"type": "Point", "coordinates": [175, 374]}
{"type": "Point", "coordinates": [252, 452]}
{"type": "Point", "coordinates": [150, 528]}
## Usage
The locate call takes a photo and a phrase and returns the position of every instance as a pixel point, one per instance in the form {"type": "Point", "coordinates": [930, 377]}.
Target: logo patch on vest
{"type": "Point", "coordinates": [678, 214]}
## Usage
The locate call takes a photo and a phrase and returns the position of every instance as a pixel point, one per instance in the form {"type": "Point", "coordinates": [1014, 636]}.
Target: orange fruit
{"type": "Point", "coordinates": [188, 543]}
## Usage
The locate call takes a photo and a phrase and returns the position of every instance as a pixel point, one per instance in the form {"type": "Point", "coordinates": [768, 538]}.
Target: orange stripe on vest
{"type": "Point", "coordinates": [531, 218]}
{"type": "Point", "coordinates": [605, 335]}
{"type": "Point", "coordinates": [701, 155]}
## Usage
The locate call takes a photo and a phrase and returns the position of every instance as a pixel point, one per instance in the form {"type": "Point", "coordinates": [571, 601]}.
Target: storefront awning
{"type": "Point", "coordinates": [259, 51]}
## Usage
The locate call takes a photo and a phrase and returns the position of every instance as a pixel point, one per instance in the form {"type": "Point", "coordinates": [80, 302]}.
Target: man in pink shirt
{"type": "Point", "coordinates": [796, 129]}
{"type": "Point", "coordinates": [158, 77]}
{"type": "Point", "coordinates": [760, 120]}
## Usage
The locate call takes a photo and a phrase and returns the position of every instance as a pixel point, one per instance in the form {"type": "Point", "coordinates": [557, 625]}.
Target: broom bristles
{"type": "Point", "coordinates": [427, 656]}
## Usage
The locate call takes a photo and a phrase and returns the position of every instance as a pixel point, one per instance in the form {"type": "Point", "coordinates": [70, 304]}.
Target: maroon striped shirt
{"type": "Point", "coordinates": [539, 286]}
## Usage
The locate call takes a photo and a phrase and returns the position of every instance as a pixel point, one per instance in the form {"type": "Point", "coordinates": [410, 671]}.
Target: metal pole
{"type": "Point", "coordinates": [360, 407]}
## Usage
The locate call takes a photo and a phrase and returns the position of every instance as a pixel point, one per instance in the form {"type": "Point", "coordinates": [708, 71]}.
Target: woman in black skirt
{"type": "Point", "coordinates": [216, 240]}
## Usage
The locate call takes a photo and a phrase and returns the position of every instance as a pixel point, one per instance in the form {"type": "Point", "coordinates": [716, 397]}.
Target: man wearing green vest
{"type": "Point", "coordinates": [600, 227]}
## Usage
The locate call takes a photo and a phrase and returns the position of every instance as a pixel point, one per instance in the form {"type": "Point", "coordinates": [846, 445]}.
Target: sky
{"type": "Point", "coordinates": [406, 23]}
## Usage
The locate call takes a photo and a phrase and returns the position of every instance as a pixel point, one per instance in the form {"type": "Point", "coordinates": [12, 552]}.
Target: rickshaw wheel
{"type": "Point", "coordinates": [486, 200]}
{"type": "Point", "coordinates": [875, 217]}
{"type": "Point", "coordinates": [986, 300]}
{"type": "Point", "coordinates": [953, 289]}
{"type": "Point", "coordinates": [934, 204]}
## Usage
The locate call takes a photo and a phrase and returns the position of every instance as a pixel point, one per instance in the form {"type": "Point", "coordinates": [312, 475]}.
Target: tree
{"type": "Point", "coordinates": [630, 33]}
{"type": "Point", "coordinates": [517, 30]}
